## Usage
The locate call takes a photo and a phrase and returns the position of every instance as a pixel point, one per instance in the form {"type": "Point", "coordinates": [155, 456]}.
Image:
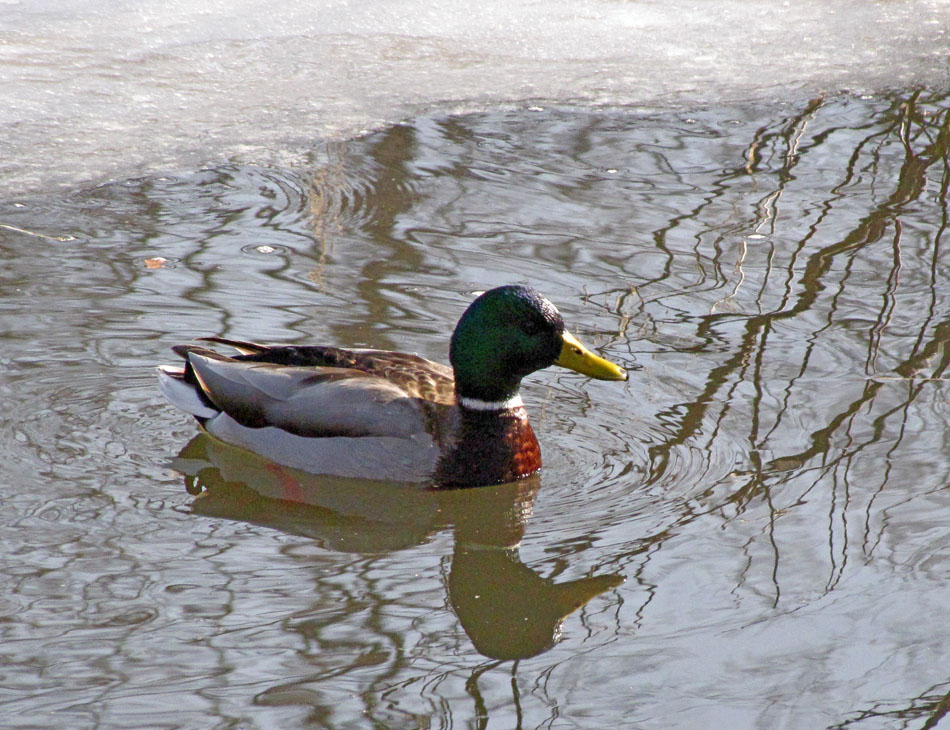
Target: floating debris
{"type": "Point", "coordinates": [63, 239]}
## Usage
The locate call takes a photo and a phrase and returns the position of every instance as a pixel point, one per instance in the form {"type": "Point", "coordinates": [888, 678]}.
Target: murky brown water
{"type": "Point", "coordinates": [771, 485]}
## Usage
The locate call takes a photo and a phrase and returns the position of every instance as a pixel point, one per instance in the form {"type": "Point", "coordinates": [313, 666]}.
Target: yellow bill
{"type": "Point", "coordinates": [575, 356]}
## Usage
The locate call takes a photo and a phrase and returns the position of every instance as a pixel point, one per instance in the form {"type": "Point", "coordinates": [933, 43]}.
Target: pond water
{"type": "Point", "coordinates": [753, 531]}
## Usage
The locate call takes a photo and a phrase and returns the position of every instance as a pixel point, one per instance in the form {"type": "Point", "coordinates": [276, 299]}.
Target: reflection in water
{"type": "Point", "coordinates": [507, 609]}
{"type": "Point", "coordinates": [793, 298]}
{"type": "Point", "coordinates": [772, 483]}
{"type": "Point", "coordinates": [924, 712]}
{"type": "Point", "coordinates": [791, 307]}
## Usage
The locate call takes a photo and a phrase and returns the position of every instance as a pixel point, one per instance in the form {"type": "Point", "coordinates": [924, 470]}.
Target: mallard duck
{"type": "Point", "coordinates": [376, 414]}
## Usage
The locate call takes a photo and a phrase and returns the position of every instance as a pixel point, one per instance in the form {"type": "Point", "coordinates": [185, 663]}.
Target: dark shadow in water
{"type": "Point", "coordinates": [507, 609]}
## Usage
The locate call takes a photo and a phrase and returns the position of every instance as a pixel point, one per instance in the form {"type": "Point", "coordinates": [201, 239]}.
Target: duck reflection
{"type": "Point", "coordinates": [507, 609]}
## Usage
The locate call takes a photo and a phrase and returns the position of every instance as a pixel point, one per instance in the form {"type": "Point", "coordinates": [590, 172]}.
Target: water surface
{"type": "Point", "coordinates": [770, 486]}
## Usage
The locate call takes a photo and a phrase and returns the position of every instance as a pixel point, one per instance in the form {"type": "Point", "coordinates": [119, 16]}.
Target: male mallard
{"type": "Point", "coordinates": [377, 414]}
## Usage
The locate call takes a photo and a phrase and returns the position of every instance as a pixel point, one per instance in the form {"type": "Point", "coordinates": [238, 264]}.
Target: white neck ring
{"type": "Point", "coordinates": [476, 404]}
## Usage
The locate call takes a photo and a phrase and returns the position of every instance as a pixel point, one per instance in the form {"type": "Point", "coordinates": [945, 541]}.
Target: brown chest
{"type": "Point", "coordinates": [489, 448]}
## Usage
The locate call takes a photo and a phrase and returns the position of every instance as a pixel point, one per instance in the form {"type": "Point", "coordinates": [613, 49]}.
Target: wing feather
{"type": "Point", "coordinates": [307, 401]}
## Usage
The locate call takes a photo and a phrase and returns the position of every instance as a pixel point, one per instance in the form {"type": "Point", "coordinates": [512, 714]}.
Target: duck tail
{"type": "Point", "coordinates": [181, 387]}
{"type": "Point", "coordinates": [183, 394]}
{"type": "Point", "coordinates": [245, 348]}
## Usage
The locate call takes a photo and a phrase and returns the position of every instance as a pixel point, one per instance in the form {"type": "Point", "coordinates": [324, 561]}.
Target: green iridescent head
{"type": "Point", "coordinates": [510, 332]}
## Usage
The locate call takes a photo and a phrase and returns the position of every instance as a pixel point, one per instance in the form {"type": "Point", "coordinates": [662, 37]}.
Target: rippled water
{"type": "Point", "coordinates": [754, 531]}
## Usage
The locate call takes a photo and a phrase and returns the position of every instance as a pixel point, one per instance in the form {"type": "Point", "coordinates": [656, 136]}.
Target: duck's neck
{"type": "Point", "coordinates": [496, 406]}
{"type": "Point", "coordinates": [494, 443]}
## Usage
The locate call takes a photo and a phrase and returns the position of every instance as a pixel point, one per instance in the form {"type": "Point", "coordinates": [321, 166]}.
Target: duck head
{"type": "Point", "coordinates": [512, 331]}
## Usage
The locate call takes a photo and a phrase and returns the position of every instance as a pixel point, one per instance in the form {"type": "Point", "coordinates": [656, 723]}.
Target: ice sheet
{"type": "Point", "coordinates": [98, 89]}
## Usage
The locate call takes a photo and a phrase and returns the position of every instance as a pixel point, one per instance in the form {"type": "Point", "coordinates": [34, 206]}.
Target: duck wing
{"type": "Point", "coordinates": [419, 377]}
{"type": "Point", "coordinates": [305, 400]}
